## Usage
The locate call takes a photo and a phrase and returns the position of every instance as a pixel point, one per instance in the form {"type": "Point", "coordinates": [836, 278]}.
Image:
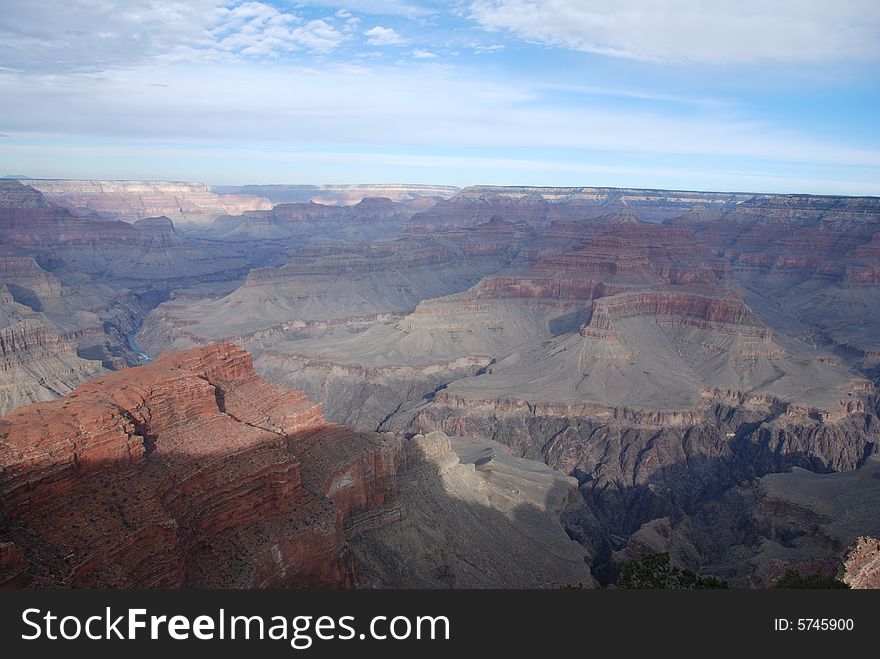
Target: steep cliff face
{"type": "Point", "coordinates": [677, 306]}
{"type": "Point", "coordinates": [28, 281]}
{"type": "Point", "coordinates": [190, 471]}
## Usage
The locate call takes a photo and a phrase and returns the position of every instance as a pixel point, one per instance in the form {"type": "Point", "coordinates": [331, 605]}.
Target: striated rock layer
{"type": "Point", "coordinates": [38, 358]}
{"type": "Point", "coordinates": [190, 471]}
{"type": "Point", "coordinates": [132, 200]}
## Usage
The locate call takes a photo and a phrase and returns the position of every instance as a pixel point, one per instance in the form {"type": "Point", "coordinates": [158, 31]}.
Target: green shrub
{"type": "Point", "coordinates": [656, 571]}
{"type": "Point", "coordinates": [793, 579]}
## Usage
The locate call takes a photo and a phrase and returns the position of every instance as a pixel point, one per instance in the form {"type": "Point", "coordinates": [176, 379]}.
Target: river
{"type": "Point", "coordinates": [132, 343]}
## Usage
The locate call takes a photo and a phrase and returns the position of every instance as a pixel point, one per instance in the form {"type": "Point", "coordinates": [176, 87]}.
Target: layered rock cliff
{"type": "Point", "coordinates": [38, 361]}
{"type": "Point", "coordinates": [132, 200]}
{"type": "Point", "coordinates": [190, 471]}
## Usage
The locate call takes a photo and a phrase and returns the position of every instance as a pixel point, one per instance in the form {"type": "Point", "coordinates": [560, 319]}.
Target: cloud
{"type": "Point", "coordinates": [695, 30]}
{"type": "Point", "coordinates": [256, 29]}
{"type": "Point", "coordinates": [351, 23]}
{"type": "Point", "coordinates": [422, 104]}
{"type": "Point", "coordinates": [481, 49]}
{"type": "Point", "coordinates": [407, 9]}
{"type": "Point", "coordinates": [94, 35]}
{"type": "Point", "coordinates": [168, 72]}
{"type": "Point", "coordinates": [383, 36]}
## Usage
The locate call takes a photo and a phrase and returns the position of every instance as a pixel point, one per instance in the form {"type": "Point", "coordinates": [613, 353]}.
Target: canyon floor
{"type": "Point", "coordinates": [421, 386]}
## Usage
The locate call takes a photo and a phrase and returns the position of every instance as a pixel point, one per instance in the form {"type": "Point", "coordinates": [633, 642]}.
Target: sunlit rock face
{"type": "Point", "coordinates": [190, 471]}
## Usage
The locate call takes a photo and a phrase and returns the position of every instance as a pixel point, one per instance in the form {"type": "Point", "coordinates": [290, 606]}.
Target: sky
{"type": "Point", "coordinates": [754, 95]}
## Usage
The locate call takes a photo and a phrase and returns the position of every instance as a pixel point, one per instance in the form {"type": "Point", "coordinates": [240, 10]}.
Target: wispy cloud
{"type": "Point", "coordinates": [416, 77]}
{"type": "Point", "coordinates": [481, 49]}
{"type": "Point", "coordinates": [60, 37]}
{"type": "Point", "coordinates": [695, 30]}
{"type": "Point", "coordinates": [422, 105]}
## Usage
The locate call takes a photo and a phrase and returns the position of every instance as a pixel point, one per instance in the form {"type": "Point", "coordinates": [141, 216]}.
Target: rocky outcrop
{"type": "Point", "coordinates": [861, 565]}
{"type": "Point", "coordinates": [190, 471]}
{"type": "Point", "coordinates": [677, 304]}
{"type": "Point", "coordinates": [717, 314]}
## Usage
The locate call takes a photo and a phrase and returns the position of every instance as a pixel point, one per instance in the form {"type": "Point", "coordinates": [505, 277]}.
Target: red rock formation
{"type": "Point", "coordinates": [724, 314]}
{"type": "Point", "coordinates": [190, 471]}
{"type": "Point", "coordinates": [861, 565]}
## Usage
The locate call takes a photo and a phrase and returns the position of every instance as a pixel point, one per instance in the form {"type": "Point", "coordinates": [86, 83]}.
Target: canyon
{"type": "Point", "coordinates": [608, 372]}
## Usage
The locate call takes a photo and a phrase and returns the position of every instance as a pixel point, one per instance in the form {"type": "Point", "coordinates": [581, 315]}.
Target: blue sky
{"type": "Point", "coordinates": [759, 96]}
